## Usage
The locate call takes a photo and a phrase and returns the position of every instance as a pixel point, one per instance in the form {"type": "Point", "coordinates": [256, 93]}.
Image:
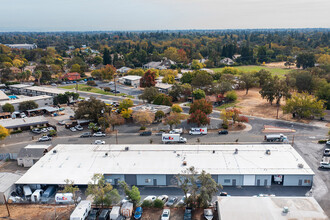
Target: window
{"type": "Point", "coordinates": [227, 181]}
{"type": "Point", "coordinates": [148, 181]}
{"type": "Point", "coordinates": [307, 181]}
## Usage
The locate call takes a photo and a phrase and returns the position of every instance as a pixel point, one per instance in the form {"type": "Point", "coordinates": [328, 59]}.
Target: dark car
{"type": "Point", "coordinates": [223, 194]}
{"type": "Point", "coordinates": [223, 132]}
{"type": "Point", "coordinates": [93, 214]}
{"type": "Point", "coordinates": [86, 134]}
{"type": "Point", "coordinates": [104, 215]}
{"type": "Point", "coordinates": [187, 214]}
{"type": "Point", "coordinates": [146, 133]}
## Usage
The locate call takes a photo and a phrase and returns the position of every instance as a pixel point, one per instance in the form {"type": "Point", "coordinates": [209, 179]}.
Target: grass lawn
{"type": "Point", "coordinates": [86, 88]}
{"type": "Point", "coordinates": [228, 105]}
{"type": "Point", "coordinates": [273, 70]}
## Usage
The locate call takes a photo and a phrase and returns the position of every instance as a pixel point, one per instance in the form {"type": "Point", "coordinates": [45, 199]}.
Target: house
{"type": "Point", "coordinates": [235, 56]}
{"type": "Point", "coordinates": [7, 185]}
{"type": "Point", "coordinates": [269, 207]}
{"type": "Point", "coordinates": [130, 80]}
{"type": "Point", "coordinates": [22, 46]}
{"type": "Point", "coordinates": [30, 68]}
{"type": "Point", "coordinates": [138, 164]}
{"type": "Point", "coordinates": [71, 76]}
{"type": "Point", "coordinates": [163, 87]}
{"type": "Point", "coordinates": [164, 64]}
{"type": "Point", "coordinates": [15, 70]}
{"type": "Point", "coordinates": [30, 154]}
{"type": "Point", "coordinates": [123, 69]}
{"type": "Point", "coordinates": [227, 61]}
{"type": "Point", "coordinates": [42, 100]}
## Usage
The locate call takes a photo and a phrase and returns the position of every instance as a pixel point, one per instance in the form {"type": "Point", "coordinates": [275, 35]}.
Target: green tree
{"type": "Point", "coordinates": [159, 115]}
{"type": "Point", "coordinates": [173, 119]}
{"type": "Point", "coordinates": [187, 77]}
{"type": "Point", "coordinates": [126, 113]}
{"type": "Point", "coordinates": [4, 132]}
{"type": "Point", "coordinates": [102, 192]}
{"type": "Point", "coordinates": [263, 76]}
{"type": "Point", "coordinates": [187, 181]}
{"type": "Point", "coordinates": [303, 105]}
{"type": "Point", "coordinates": [231, 96]}
{"type": "Point", "coordinates": [106, 57]}
{"type": "Point", "coordinates": [176, 108]}
{"type": "Point", "coordinates": [323, 93]}
{"type": "Point", "coordinates": [163, 99]}
{"type": "Point", "coordinates": [306, 60]}
{"type": "Point", "coordinates": [207, 190]}
{"type": "Point", "coordinates": [108, 72]}
{"type": "Point", "coordinates": [149, 94]}
{"type": "Point", "coordinates": [176, 92]}
{"type": "Point", "coordinates": [137, 72]}
{"type": "Point", "coordinates": [201, 79]}
{"type": "Point", "coordinates": [125, 104]}
{"type": "Point", "coordinates": [75, 68]}
{"type": "Point", "coordinates": [196, 65]}
{"type": "Point", "coordinates": [198, 94]}
{"type": "Point", "coordinates": [37, 74]}
{"type": "Point", "coordinates": [91, 109]}
{"type": "Point", "coordinates": [274, 89]}
{"type": "Point", "coordinates": [158, 204]}
{"type": "Point", "coordinates": [27, 105]}
{"type": "Point", "coordinates": [8, 108]}
{"type": "Point", "coordinates": [248, 80]}
{"type": "Point", "coordinates": [230, 70]}
{"type": "Point", "coordinates": [70, 187]}
{"type": "Point", "coordinates": [132, 193]}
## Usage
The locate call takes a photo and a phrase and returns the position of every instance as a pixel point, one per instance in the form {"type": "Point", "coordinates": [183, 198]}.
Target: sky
{"type": "Point", "coordinates": [116, 15]}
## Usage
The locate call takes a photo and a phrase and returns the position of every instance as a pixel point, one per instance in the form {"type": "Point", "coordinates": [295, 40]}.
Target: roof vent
{"type": "Point", "coordinates": [285, 209]}
{"type": "Point", "coordinates": [126, 148]}
{"type": "Point", "coordinates": [178, 155]}
{"type": "Point", "coordinates": [54, 151]}
{"type": "Point", "coordinates": [300, 165]}
{"type": "Point", "coordinates": [236, 151]}
{"type": "Point", "coordinates": [214, 151]}
{"type": "Point", "coordinates": [106, 154]}
{"type": "Point", "coordinates": [184, 163]}
{"type": "Point", "coordinates": [268, 152]}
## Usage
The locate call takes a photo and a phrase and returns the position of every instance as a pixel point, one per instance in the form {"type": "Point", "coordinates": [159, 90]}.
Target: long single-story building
{"type": "Point", "coordinates": [130, 80]}
{"type": "Point", "coordinates": [158, 165]}
{"type": "Point", "coordinates": [41, 100]}
{"type": "Point", "coordinates": [24, 89]}
{"type": "Point", "coordinates": [270, 208]}
{"type": "Point", "coordinates": [24, 123]}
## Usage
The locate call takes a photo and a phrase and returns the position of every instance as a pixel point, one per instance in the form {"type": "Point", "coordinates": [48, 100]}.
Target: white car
{"type": "Point", "coordinates": [79, 127]}
{"type": "Point", "coordinates": [150, 198]}
{"type": "Point", "coordinates": [99, 142]}
{"type": "Point", "coordinates": [50, 129]}
{"type": "Point", "coordinates": [98, 134]}
{"type": "Point", "coordinates": [73, 129]}
{"type": "Point", "coordinates": [44, 130]}
{"type": "Point", "coordinates": [164, 198]}
{"type": "Point", "coordinates": [44, 138]}
{"type": "Point", "coordinates": [183, 199]}
{"type": "Point", "coordinates": [166, 214]}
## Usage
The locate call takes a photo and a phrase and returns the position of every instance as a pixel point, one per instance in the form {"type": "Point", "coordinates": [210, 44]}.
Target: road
{"type": "Point", "coordinates": [121, 88]}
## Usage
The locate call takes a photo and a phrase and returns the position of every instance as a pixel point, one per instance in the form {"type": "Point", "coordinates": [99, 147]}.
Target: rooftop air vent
{"type": "Point", "coordinates": [184, 163]}
{"type": "Point", "coordinates": [106, 154]}
{"type": "Point", "coordinates": [54, 151]}
{"type": "Point", "coordinates": [268, 152]}
{"type": "Point", "coordinates": [236, 151]}
{"type": "Point", "coordinates": [300, 165]}
{"type": "Point", "coordinates": [126, 148]}
{"type": "Point", "coordinates": [213, 151]}
{"type": "Point", "coordinates": [285, 209]}
{"type": "Point", "coordinates": [178, 155]}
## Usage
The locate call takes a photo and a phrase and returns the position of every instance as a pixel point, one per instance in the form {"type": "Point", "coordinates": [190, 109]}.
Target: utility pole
{"type": "Point", "coordinates": [4, 197]}
{"type": "Point", "coordinates": [117, 136]}
{"type": "Point", "coordinates": [292, 140]}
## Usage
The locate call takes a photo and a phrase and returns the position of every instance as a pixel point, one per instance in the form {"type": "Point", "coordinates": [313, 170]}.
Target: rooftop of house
{"type": "Point", "coordinates": [80, 162]}
{"type": "Point", "coordinates": [131, 77]}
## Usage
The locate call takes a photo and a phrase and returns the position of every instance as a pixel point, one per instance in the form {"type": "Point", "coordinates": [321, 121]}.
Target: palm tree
{"type": "Point", "coordinates": [38, 74]}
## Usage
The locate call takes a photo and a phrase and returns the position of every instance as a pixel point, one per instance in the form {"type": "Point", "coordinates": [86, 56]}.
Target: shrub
{"type": "Point", "coordinates": [176, 108]}
{"type": "Point", "coordinates": [224, 126]}
{"type": "Point", "coordinates": [107, 89]}
{"type": "Point", "coordinates": [143, 128]}
{"type": "Point", "coordinates": [232, 96]}
{"type": "Point", "coordinates": [322, 141]}
{"type": "Point", "coordinates": [52, 133]}
{"type": "Point", "coordinates": [146, 203]}
{"type": "Point", "coordinates": [91, 83]}
{"type": "Point", "coordinates": [243, 119]}
{"type": "Point", "coordinates": [16, 132]}
{"type": "Point", "coordinates": [158, 203]}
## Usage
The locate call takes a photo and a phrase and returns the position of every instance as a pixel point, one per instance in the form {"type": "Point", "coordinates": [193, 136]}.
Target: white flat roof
{"type": "Point", "coordinates": [80, 162]}
{"type": "Point", "coordinates": [22, 122]}
{"type": "Point", "coordinates": [26, 98]}
{"type": "Point", "coordinates": [131, 77]}
{"type": "Point", "coordinates": [46, 89]}
{"type": "Point", "coordinates": [37, 146]}
{"type": "Point", "coordinates": [270, 208]}
{"type": "Point", "coordinates": [19, 86]}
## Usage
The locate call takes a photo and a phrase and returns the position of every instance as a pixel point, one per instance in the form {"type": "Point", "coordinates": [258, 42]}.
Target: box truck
{"type": "Point", "coordinates": [115, 213]}
{"type": "Point", "coordinates": [200, 131]}
{"type": "Point", "coordinates": [173, 138]}
{"type": "Point", "coordinates": [81, 211]}
{"type": "Point", "coordinates": [127, 209]}
{"type": "Point", "coordinates": [275, 138]}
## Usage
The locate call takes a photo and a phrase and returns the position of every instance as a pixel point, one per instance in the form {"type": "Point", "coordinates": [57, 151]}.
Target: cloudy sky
{"type": "Point", "coordinates": [86, 15]}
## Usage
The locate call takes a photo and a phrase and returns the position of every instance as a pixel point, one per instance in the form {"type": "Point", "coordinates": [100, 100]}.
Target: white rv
{"type": "Point", "coordinates": [81, 211]}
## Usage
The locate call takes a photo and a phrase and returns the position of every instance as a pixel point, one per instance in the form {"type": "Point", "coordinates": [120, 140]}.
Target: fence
{"type": "Point", "coordinates": [8, 156]}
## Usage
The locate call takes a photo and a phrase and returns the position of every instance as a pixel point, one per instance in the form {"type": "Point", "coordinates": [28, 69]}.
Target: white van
{"type": "Point", "coordinates": [81, 211]}
{"type": "Point", "coordinates": [36, 195]}
{"type": "Point", "coordinates": [27, 191]}
{"type": "Point", "coordinates": [198, 131]}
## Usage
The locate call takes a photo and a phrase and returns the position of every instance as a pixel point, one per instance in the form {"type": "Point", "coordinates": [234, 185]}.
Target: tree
{"type": "Point", "coordinates": [262, 54]}
{"type": "Point", "coordinates": [170, 79]}
{"type": "Point", "coordinates": [115, 119]}
{"type": "Point", "coordinates": [8, 108]}
{"type": "Point", "coordinates": [37, 74]}
{"type": "Point", "coordinates": [102, 192]}
{"type": "Point", "coordinates": [303, 105]}
{"type": "Point", "coordinates": [226, 115]}
{"type": "Point", "coordinates": [248, 81]}
{"type": "Point", "coordinates": [198, 94]}
{"type": "Point", "coordinates": [324, 59]}
{"type": "Point", "coordinates": [304, 81]}
{"type": "Point", "coordinates": [163, 99]}
{"type": "Point", "coordinates": [27, 105]}
{"type": "Point", "coordinates": [222, 87]}
{"type": "Point", "coordinates": [65, 98]}
{"type": "Point", "coordinates": [289, 61]}
{"type": "Point", "coordinates": [91, 109]}
{"type": "Point", "coordinates": [4, 132]}
{"type": "Point", "coordinates": [187, 77]}
{"type": "Point", "coordinates": [196, 65]}
{"type": "Point", "coordinates": [172, 54]}
{"type": "Point", "coordinates": [108, 72]}
{"type": "Point", "coordinates": [137, 72]}
{"type": "Point", "coordinates": [201, 79]}
{"type": "Point", "coordinates": [158, 203]}
{"type": "Point", "coordinates": [173, 119]}
{"type": "Point", "coordinates": [69, 187]}
{"type": "Point", "coordinates": [132, 193]}
{"type": "Point", "coordinates": [199, 117]}
{"type": "Point", "coordinates": [125, 104]}
{"type": "Point", "coordinates": [106, 57]}
{"type": "Point", "coordinates": [274, 89]}
{"type": "Point", "coordinates": [104, 122]}
{"type": "Point", "coordinates": [176, 91]}
{"type": "Point", "coordinates": [148, 79]}
{"type": "Point", "coordinates": [263, 76]}
{"type": "Point", "coordinates": [323, 93]}
{"type": "Point", "coordinates": [230, 70]}
{"type": "Point", "coordinates": [149, 94]}
{"type": "Point", "coordinates": [143, 117]}
{"type": "Point", "coordinates": [176, 108]}
{"type": "Point", "coordinates": [207, 190]}
{"type": "Point", "coordinates": [126, 113]}
{"type": "Point", "coordinates": [159, 115]}
{"type": "Point", "coordinates": [187, 181]}
{"type": "Point", "coordinates": [75, 68]}
{"type": "Point", "coordinates": [306, 60]}
{"type": "Point", "coordinates": [231, 96]}
{"type": "Point", "coordinates": [201, 105]}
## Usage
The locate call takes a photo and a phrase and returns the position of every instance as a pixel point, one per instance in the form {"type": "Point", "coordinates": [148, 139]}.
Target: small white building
{"type": "Point", "coordinates": [123, 69]}
{"type": "Point", "coordinates": [7, 184]}
{"type": "Point", "coordinates": [130, 80]}
{"type": "Point", "coordinates": [30, 154]}
{"type": "Point", "coordinates": [152, 108]}
{"type": "Point", "coordinates": [163, 87]}
{"type": "Point", "coordinates": [42, 101]}
{"type": "Point", "coordinates": [3, 97]}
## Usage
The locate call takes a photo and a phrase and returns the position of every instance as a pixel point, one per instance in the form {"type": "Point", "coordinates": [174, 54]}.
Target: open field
{"type": "Point", "coordinates": [86, 88]}
{"type": "Point", "coordinates": [274, 70]}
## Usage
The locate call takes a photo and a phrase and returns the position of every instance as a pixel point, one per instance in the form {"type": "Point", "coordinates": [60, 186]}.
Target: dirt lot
{"type": "Point", "coordinates": [32, 212]}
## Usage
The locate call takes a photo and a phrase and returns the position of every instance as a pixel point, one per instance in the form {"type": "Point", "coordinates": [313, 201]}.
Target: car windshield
{"type": "Point", "coordinates": [165, 215]}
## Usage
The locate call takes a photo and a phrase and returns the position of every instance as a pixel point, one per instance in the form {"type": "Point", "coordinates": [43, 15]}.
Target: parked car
{"type": "Point", "coordinates": [99, 142]}
{"type": "Point", "coordinates": [104, 215]}
{"type": "Point", "coordinates": [150, 198]}
{"type": "Point", "coordinates": [36, 130]}
{"type": "Point", "coordinates": [73, 129]}
{"type": "Point", "coordinates": [44, 138]}
{"type": "Point", "coordinates": [223, 132]}
{"type": "Point", "coordinates": [183, 199]}
{"type": "Point", "coordinates": [50, 129]}
{"type": "Point", "coordinates": [146, 133]}
{"type": "Point", "coordinates": [166, 214]}
{"type": "Point", "coordinates": [126, 199]}
{"type": "Point", "coordinates": [138, 213]}
{"type": "Point", "coordinates": [44, 130]}
{"type": "Point", "coordinates": [71, 117]}
{"type": "Point", "coordinates": [99, 134]}
{"type": "Point", "coordinates": [160, 133]}
{"type": "Point", "coordinates": [164, 198]}
{"type": "Point", "coordinates": [86, 134]}
{"type": "Point", "coordinates": [187, 214]}
{"type": "Point", "coordinates": [327, 143]}
{"type": "Point", "coordinates": [79, 127]}
{"type": "Point", "coordinates": [172, 201]}
{"type": "Point", "coordinates": [208, 214]}
{"type": "Point", "coordinates": [111, 83]}
{"type": "Point", "coordinates": [223, 194]}
{"type": "Point", "coordinates": [53, 84]}
{"type": "Point", "coordinates": [326, 152]}
{"type": "Point", "coordinates": [62, 122]}
{"type": "Point", "coordinates": [93, 214]}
